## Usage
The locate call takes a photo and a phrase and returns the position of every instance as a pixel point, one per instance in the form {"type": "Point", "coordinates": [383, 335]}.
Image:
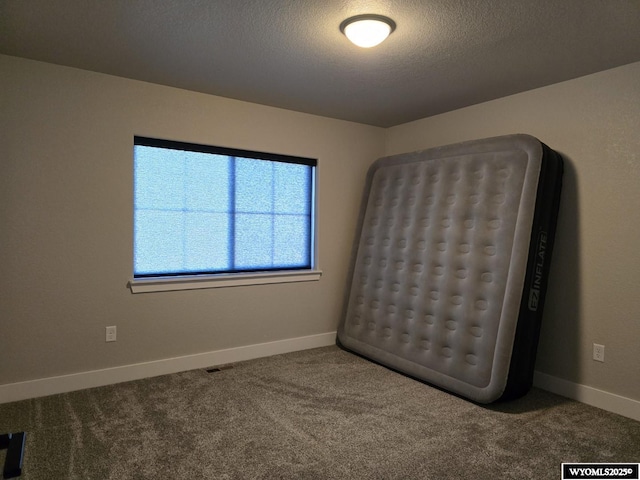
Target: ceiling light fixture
{"type": "Point", "coordinates": [367, 30]}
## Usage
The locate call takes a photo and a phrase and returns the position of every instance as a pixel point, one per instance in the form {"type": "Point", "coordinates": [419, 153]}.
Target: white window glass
{"type": "Point", "coordinates": [203, 210]}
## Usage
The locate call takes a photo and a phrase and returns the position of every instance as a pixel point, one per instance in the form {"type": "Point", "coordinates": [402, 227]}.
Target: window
{"type": "Point", "coordinates": [202, 210]}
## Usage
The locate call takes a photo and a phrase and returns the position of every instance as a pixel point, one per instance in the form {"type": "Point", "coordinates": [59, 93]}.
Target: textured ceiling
{"type": "Point", "coordinates": [444, 54]}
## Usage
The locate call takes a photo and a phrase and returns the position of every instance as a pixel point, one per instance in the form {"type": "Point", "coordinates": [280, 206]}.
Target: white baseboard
{"type": "Point", "coordinates": [96, 378]}
{"type": "Point", "coordinates": [589, 395]}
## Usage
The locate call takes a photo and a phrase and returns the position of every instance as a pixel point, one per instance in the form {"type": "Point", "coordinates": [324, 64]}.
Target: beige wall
{"type": "Point", "coordinates": [66, 219]}
{"type": "Point", "coordinates": [594, 290]}
{"type": "Point", "coordinates": [66, 140]}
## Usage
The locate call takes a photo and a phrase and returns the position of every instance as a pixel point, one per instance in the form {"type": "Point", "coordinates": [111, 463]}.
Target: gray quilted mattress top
{"type": "Point", "coordinates": [440, 262]}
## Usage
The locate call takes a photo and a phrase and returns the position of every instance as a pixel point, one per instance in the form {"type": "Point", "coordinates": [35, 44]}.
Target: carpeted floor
{"type": "Point", "coordinates": [316, 414]}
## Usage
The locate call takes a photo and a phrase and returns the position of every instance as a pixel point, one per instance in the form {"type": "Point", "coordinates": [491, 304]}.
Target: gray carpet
{"type": "Point", "coordinates": [316, 414]}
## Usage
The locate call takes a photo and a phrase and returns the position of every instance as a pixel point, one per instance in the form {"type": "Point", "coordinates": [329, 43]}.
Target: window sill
{"type": "Point", "coordinates": [148, 285]}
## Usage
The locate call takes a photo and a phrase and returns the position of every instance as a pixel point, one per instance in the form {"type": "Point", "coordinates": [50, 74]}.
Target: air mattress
{"type": "Point", "coordinates": [451, 261]}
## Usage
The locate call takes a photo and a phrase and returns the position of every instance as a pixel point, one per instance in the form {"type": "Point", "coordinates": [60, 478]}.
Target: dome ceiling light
{"type": "Point", "coordinates": [368, 30]}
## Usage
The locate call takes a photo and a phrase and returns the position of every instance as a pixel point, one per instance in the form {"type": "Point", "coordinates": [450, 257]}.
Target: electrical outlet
{"type": "Point", "coordinates": [598, 352]}
{"type": "Point", "coordinates": [111, 334]}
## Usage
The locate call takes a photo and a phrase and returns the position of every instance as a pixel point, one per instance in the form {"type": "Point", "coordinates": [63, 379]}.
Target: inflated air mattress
{"type": "Point", "coordinates": [451, 261]}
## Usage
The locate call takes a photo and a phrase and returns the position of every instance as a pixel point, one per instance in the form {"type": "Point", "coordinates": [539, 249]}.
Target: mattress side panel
{"type": "Point", "coordinates": [523, 358]}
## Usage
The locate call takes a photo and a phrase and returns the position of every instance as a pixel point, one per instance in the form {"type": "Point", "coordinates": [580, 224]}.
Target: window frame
{"type": "Point", "coordinates": [144, 283]}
